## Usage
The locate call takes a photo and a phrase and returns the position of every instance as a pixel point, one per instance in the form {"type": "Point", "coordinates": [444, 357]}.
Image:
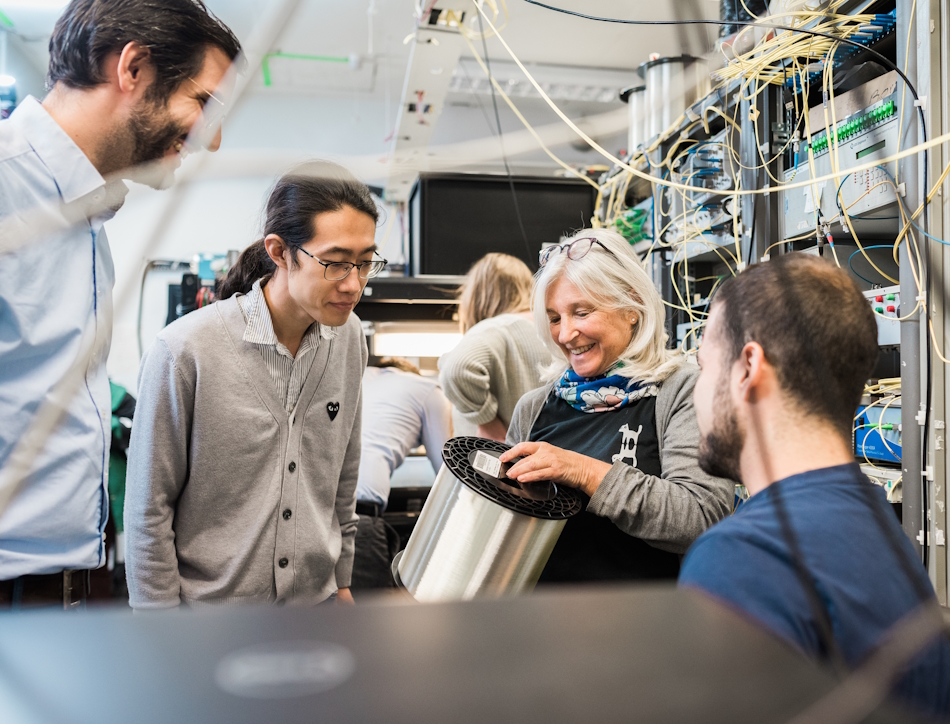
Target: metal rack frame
{"type": "Point", "coordinates": [928, 67]}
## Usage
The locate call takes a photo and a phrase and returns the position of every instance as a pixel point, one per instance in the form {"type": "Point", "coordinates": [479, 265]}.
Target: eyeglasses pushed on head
{"type": "Point", "coordinates": [575, 250]}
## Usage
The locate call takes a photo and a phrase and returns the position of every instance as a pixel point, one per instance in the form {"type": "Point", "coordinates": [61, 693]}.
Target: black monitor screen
{"type": "Point", "coordinates": [456, 219]}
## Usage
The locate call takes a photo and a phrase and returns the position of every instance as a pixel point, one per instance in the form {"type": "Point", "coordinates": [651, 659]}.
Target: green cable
{"type": "Point", "coordinates": [265, 62]}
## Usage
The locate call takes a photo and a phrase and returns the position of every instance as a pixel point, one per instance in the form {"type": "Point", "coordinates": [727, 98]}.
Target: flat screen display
{"type": "Point", "coordinates": [456, 219]}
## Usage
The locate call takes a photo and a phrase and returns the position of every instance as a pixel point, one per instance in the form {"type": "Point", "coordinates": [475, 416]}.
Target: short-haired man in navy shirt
{"type": "Point", "coordinates": [815, 555]}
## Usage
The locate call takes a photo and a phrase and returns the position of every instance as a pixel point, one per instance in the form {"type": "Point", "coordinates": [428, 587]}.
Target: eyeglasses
{"type": "Point", "coordinates": [207, 92]}
{"type": "Point", "coordinates": [335, 271]}
{"type": "Point", "coordinates": [213, 117]}
{"type": "Point", "coordinates": [577, 249]}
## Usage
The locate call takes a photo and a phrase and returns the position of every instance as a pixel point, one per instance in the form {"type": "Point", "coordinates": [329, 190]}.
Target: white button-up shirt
{"type": "Point", "coordinates": [55, 294]}
{"type": "Point", "coordinates": [401, 410]}
{"type": "Point", "coordinates": [288, 371]}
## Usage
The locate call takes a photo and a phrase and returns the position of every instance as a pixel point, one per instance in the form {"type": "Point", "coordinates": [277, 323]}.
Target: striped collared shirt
{"type": "Point", "coordinates": [288, 372]}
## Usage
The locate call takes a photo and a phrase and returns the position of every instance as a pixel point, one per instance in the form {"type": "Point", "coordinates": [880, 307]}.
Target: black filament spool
{"type": "Point", "coordinates": [542, 500]}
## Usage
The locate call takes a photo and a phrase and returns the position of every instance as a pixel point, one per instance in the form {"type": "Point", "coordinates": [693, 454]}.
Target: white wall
{"type": "Point", "coordinates": [29, 79]}
{"type": "Point", "coordinates": [214, 217]}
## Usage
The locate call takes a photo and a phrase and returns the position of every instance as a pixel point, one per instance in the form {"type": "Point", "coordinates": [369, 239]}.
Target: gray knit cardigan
{"type": "Point", "coordinates": [668, 512]}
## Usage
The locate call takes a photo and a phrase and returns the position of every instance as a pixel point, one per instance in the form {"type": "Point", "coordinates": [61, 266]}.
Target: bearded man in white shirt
{"type": "Point", "coordinates": [129, 81]}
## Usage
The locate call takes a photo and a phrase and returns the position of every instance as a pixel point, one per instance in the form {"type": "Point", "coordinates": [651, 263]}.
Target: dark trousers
{"type": "Point", "coordinates": [376, 546]}
{"type": "Point", "coordinates": [66, 590]}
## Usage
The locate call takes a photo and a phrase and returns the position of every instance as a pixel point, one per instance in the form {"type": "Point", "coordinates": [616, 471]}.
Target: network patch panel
{"type": "Point", "coordinates": [636, 223]}
{"type": "Point", "coordinates": [701, 219]}
{"type": "Point", "coordinates": [854, 126]}
{"type": "Point", "coordinates": [868, 131]}
{"type": "Point", "coordinates": [877, 432]}
{"type": "Point", "coordinates": [890, 480]}
{"type": "Point", "coordinates": [868, 35]}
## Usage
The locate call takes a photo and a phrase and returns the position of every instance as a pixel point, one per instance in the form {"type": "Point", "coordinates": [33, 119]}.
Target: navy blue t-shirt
{"type": "Point", "coordinates": [745, 562]}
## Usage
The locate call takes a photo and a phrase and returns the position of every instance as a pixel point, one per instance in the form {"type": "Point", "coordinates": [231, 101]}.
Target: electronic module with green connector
{"type": "Point", "coordinates": [853, 126]}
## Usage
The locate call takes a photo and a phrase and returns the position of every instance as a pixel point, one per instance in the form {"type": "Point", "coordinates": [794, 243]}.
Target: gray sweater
{"type": "Point", "coordinates": [668, 512]}
{"type": "Point", "coordinates": [497, 361]}
{"type": "Point", "coordinates": [230, 498]}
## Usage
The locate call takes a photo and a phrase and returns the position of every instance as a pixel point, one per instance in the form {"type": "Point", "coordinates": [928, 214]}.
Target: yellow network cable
{"type": "Point", "coordinates": [888, 401]}
{"type": "Point", "coordinates": [497, 7]}
{"type": "Point", "coordinates": [933, 142]}
{"type": "Point", "coordinates": [883, 385]}
{"type": "Point", "coordinates": [521, 118]}
{"type": "Point", "coordinates": [757, 66]}
{"type": "Point", "coordinates": [933, 339]}
{"type": "Point", "coordinates": [788, 241]}
{"type": "Point", "coordinates": [832, 134]}
{"type": "Point", "coordinates": [930, 196]}
{"type": "Point", "coordinates": [766, 59]}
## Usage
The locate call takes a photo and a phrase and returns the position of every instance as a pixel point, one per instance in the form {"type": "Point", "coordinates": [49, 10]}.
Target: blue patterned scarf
{"type": "Point", "coordinates": [607, 392]}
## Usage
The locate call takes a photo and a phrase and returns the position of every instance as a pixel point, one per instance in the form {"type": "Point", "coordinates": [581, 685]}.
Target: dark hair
{"type": "Point", "coordinates": [815, 326]}
{"type": "Point", "coordinates": [292, 208]}
{"type": "Point", "coordinates": [176, 32]}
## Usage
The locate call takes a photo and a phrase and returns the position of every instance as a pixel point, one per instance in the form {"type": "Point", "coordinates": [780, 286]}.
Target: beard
{"type": "Point", "coordinates": [150, 133]}
{"type": "Point", "coordinates": [721, 448]}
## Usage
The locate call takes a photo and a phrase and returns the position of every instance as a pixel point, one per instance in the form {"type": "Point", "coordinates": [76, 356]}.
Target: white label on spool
{"type": "Point", "coordinates": [485, 463]}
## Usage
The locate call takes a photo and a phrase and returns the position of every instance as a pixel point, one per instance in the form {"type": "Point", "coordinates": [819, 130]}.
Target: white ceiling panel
{"type": "Point", "coordinates": [312, 107]}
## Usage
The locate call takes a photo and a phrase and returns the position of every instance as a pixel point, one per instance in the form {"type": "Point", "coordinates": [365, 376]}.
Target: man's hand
{"type": "Point", "coordinates": [344, 597]}
{"type": "Point", "coordinates": [542, 461]}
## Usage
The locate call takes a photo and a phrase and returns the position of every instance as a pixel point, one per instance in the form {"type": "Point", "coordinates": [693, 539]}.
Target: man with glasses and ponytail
{"type": "Point", "coordinates": [245, 452]}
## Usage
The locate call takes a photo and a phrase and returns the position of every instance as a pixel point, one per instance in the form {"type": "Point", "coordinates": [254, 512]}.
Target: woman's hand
{"type": "Point", "coordinates": [344, 597]}
{"type": "Point", "coordinates": [543, 461]}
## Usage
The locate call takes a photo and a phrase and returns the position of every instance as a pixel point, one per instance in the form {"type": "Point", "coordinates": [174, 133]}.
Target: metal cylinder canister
{"type": "Point", "coordinates": [636, 98]}
{"type": "Point", "coordinates": [480, 533]}
{"type": "Point", "coordinates": [673, 84]}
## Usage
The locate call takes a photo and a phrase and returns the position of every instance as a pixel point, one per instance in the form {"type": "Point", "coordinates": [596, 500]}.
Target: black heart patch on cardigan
{"type": "Point", "coordinates": [332, 409]}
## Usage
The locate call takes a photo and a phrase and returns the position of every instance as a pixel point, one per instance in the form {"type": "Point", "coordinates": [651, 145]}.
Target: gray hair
{"type": "Point", "coordinates": [615, 281]}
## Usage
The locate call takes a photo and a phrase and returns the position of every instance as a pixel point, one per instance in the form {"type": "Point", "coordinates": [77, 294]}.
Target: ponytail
{"type": "Point", "coordinates": [296, 200]}
{"type": "Point", "coordinates": [253, 264]}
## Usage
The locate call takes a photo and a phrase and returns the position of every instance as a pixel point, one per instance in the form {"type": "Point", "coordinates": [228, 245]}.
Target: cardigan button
{"type": "Point", "coordinates": [287, 514]}
{"type": "Point", "coordinates": [292, 466]}
{"type": "Point", "coordinates": [283, 562]}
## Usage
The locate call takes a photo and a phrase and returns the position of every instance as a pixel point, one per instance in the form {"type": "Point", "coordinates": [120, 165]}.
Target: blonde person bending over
{"type": "Point", "coordinates": [500, 356]}
{"type": "Point", "coordinates": [615, 418]}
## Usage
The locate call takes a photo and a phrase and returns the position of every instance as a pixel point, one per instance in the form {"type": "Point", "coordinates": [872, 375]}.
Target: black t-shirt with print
{"type": "Point", "coordinates": [591, 548]}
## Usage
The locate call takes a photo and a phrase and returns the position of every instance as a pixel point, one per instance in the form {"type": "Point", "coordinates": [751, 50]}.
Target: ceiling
{"type": "Point", "coordinates": [349, 109]}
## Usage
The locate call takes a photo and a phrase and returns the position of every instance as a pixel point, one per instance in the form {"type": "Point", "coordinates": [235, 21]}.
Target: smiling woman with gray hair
{"type": "Point", "coordinates": [615, 419]}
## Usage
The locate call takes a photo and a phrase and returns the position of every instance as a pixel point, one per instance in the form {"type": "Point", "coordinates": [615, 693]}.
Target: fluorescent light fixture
{"type": "Point", "coordinates": [567, 83]}
{"type": "Point", "coordinates": [523, 89]}
{"type": "Point", "coordinates": [414, 344]}
{"type": "Point", "coordinates": [6, 81]}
